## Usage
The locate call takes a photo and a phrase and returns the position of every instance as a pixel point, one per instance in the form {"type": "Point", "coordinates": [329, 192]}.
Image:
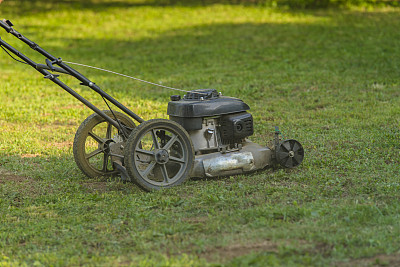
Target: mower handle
{"type": "Point", "coordinates": [6, 24]}
{"type": "Point", "coordinates": [50, 60]}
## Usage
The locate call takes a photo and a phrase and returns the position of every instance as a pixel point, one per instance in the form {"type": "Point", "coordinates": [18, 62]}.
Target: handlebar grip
{"type": "Point", "coordinates": [6, 24]}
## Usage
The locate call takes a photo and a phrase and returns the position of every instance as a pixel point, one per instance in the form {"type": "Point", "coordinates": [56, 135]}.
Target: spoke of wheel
{"type": "Point", "coordinates": [286, 145]}
{"type": "Point", "coordinates": [291, 143]}
{"type": "Point", "coordinates": [296, 147]}
{"type": "Point", "coordinates": [146, 152]}
{"type": "Point", "coordinates": [289, 162]}
{"type": "Point", "coordinates": [170, 142]}
{"type": "Point", "coordinates": [174, 159]}
{"type": "Point", "coordinates": [295, 161]}
{"type": "Point", "coordinates": [109, 128]}
{"type": "Point", "coordinates": [105, 162]}
{"type": "Point", "coordinates": [148, 169]}
{"type": "Point", "coordinates": [298, 158]}
{"type": "Point", "coordinates": [283, 155]}
{"type": "Point", "coordinates": [96, 137]}
{"type": "Point", "coordinates": [93, 153]}
{"type": "Point", "coordinates": [164, 173]}
{"type": "Point", "coordinates": [154, 136]}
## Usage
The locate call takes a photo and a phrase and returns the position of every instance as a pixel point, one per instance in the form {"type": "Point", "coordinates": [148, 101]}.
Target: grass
{"type": "Point", "coordinates": [328, 78]}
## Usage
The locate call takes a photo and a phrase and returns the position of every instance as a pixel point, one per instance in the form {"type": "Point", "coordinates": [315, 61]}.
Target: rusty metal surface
{"type": "Point", "coordinates": [250, 157]}
{"type": "Point", "coordinates": [232, 161]}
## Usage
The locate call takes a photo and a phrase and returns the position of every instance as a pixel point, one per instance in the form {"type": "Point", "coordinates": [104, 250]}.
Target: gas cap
{"type": "Point", "coordinates": [175, 97]}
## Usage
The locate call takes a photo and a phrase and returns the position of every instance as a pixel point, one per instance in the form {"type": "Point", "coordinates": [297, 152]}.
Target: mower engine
{"type": "Point", "coordinates": [218, 127]}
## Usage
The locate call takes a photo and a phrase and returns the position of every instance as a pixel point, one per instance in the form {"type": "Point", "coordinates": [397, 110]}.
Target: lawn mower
{"type": "Point", "coordinates": [206, 134]}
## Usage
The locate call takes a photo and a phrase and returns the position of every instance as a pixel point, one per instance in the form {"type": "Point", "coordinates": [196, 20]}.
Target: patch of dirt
{"type": "Point", "coordinates": [67, 123]}
{"type": "Point", "coordinates": [202, 219]}
{"type": "Point", "coordinates": [107, 185]}
{"type": "Point", "coordinates": [60, 145]}
{"type": "Point", "coordinates": [56, 125]}
{"type": "Point", "coordinates": [378, 260]}
{"type": "Point", "coordinates": [8, 176]}
{"type": "Point", "coordinates": [323, 249]}
{"type": "Point", "coordinates": [30, 155]}
{"type": "Point", "coordinates": [391, 161]}
{"type": "Point", "coordinates": [237, 250]}
{"type": "Point", "coordinates": [96, 186]}
{"type": "Point", "coordinates": [25, 185]}
{"type": "Point", "coordinates": [227, 253]}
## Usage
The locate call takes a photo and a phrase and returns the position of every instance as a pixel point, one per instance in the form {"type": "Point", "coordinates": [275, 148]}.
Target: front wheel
{"type": "Point", "coordinates": [159, 153]}
{"type": "Point", "coordinates": [290, 153]}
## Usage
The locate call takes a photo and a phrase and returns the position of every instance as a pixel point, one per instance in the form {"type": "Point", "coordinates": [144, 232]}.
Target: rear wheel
{"type": "Point", "coordinates": [158, 154]}
{"type": "Point", "coordinates": [94, 141]}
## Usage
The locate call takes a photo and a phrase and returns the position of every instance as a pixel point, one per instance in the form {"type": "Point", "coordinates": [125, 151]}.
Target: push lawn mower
{"type": "Point", "coordinates": [205, 136]}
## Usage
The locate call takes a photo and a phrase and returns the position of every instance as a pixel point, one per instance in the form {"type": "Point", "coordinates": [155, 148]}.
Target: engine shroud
{"type": "Point", "coordinates": [212, 120]}
{"type": "Point", "coordinates": [198, 104]}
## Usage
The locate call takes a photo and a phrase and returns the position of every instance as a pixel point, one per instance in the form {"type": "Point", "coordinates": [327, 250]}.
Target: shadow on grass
{"type": "Point", "coordinates": [246, 60]}
{"type": "Point", "coordinates": [36, 6]}
{"type": "Point", "coordinates": [40, 6]}
{"type": "Point", "coordinates": [41, 175]}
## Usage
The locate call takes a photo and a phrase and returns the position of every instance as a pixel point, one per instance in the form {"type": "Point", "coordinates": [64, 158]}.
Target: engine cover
{"type": "Point", "coordinates": [198, 104]}
{"type": "Point", "coordinates": [235, 127]}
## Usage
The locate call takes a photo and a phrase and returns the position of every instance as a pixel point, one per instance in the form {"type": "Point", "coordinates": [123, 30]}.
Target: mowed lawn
{"type": "Point", "coordinates": [328, 78]}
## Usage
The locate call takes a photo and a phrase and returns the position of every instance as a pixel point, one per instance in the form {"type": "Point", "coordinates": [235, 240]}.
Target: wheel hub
{"type": "Point", "coordinates": [162, 156]}
{"type": "Point", "coordinates": [291, 154]}
{"type": "Point", "coordinates": [106, 145]}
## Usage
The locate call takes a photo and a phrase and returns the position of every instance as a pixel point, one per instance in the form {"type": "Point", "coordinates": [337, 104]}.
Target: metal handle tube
{"type": "Point", "coordinates": [70, 70]}
{"type": "Point", "coordinates": [4, 25]}
{"type": "Point", "coordinates": [54, 79]}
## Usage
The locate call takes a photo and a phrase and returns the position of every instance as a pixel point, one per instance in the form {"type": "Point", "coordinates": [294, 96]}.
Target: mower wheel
{"type": "Point", "coordinates": [93, 143]}
{"type": "Point", "coordinates": [158, 154]}
{"type": "Point", "coordinates": [290, 153]}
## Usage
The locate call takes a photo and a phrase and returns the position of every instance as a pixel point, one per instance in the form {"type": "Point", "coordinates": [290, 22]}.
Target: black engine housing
{"type": "Point", "coordinates": [231, 120]}
{"type": "Point", "coordinates": [198, 104]}
{"type": "Point", "coordinates": [235, 127]}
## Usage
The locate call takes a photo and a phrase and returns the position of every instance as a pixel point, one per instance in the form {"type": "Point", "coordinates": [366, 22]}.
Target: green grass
{"type": "Point", "coordinates": [329, 79]}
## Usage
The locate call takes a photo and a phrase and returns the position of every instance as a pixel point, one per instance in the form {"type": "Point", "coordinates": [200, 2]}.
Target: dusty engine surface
{"type": "Point", "coordinates": [214, 122]}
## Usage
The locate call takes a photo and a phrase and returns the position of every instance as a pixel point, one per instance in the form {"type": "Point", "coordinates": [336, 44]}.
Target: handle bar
{"type": "Point", "coordinates": [7, 25]}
